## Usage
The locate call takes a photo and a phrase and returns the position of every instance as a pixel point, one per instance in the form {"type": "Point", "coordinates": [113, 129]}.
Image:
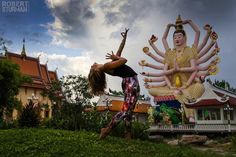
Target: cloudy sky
{"type": "Point", "coordinates": [72, 34]}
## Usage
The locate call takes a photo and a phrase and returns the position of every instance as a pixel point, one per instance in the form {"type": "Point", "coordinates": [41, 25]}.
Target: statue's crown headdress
{"type": "Point", "coordinates": [178, 23]}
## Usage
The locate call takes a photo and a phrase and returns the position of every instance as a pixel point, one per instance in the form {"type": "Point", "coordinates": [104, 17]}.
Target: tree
{"type": "Point", "coordinates": [120, 93]}
{"type": "Point", "coordinates": [3, 43]}
{"type": "Point", "coordinates": [55, 94]}
{"type": "Point", "coordinates": [225, 85]}
{"type": "Point", "coordinates": [10, 81]}
{"type": "Point", "coordinates": [75, 91]}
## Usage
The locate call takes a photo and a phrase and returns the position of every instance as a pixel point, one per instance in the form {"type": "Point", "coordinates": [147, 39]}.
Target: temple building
{"type": "Point", "coordinates": [214, 112]}
{"type": "Point", "coordinates": [113, 103]}
{"type": "Point", "coordinates": [41, 79]}
{"type": "Point", "coordinates": [216, 106]}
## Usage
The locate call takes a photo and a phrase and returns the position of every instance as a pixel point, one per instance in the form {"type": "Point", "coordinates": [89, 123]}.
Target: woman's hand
{"type": "Point", "coordinates": [112, 56]}
{"type": "Point", "coordinates": [124, 34]}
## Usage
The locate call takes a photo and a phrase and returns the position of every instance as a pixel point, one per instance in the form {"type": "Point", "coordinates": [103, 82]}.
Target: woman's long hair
{"type": "Point", "coordinates": [97, 81]}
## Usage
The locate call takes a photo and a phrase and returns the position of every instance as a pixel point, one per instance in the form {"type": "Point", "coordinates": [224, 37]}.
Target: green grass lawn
{"type": "Point", "coordinates": [56, 143]}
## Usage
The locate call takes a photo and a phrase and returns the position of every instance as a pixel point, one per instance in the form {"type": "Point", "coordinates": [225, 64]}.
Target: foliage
{"type": "Point", "coordinates": [30, 116]}
{"type": "Point", "coordinates": [174, 115]}
{"type": "Point", "coordinates": [138, 130]}
{"type": "Point", "coordinates": [120, 93]}
{"type": "Point", "coordinates": [53, 92]}
{"type": "Point", "coordinates": [94, 120]}
{"type": "Point", "coordinates": [233, 139]}
{"type": "Point", "coordinates": [224, 84]}
{"type": "Point", "coordinates": [116, 93]}
{"type": "Point", "coordinates": [3, 42]}
{"type": "Point", "coordinates": [8, 124]}
{"type": "Point", "coordinates": [76, 88]}
{"type": "Point", "coordinates": [68, 112]}
{"type": "Point", "coordinates": [10, 81]}
{"type": "Point", "coordinates": [44, 142]}
{"type": "Point", "coordinates": [69, 117]}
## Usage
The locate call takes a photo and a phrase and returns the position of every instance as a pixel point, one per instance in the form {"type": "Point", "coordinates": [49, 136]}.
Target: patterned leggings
{"type": "Point", "coordinates": [131, 91]}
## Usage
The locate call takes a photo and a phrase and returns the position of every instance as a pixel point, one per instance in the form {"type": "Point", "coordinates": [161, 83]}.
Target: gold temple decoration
{"type": "Point", "coordinates": [146, 49]}
{"type": "Point", "coordinates": [179, 23]}
{"type": "Point", "coordinates": [178, 82]}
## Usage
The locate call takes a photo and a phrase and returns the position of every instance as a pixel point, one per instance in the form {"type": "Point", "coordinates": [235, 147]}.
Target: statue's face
{"type": "Point", "coordinates": [179, 39]}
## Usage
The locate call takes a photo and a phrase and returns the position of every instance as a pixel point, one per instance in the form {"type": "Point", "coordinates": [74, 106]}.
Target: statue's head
{"type": "Point", "coordinates": [179, 36]}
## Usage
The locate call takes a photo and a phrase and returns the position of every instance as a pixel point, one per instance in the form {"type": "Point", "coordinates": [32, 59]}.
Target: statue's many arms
{"type": "Point", "coordinates": [183, 68]}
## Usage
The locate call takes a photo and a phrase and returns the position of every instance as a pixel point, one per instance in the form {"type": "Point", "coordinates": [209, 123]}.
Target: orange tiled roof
{"type": "Point", "coordinates": [117, 106]}
{"type": "Point", "coordinates": [45, 74]}
{"type": "Point", "coordinates": [28, 65]}
{"type": "Point", "coordinates": [31, 67]}
{"type": "Point", "coordinates": [53, 76]}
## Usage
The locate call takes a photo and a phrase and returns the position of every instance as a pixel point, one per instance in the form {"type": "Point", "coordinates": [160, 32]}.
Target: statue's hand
{"type": "Point", "coordinates": [173, 88]}
{"type": "Point", "coordinates": [186, 22]}
{"type": "Point", "coordinates": [183, 87]}
{"type": "Point", "coordinates": [147, 80]}
{"type": "Point", "coordinates": [143, 63]}
{"type": "Point", "coordinates": [208, 28]}
{"type": "Point", "coordinates": [143, 73]}
{"type": "Point", "coordinates": [152, 39]}
{"type": "Point", "coordinates": [146, 85]}
{"type": "Point", "coordinates": [170, 25]}
{"type": "Point", "coordinates": [215, 51]}
{"type": "Point", "coordinates": [176, 66]}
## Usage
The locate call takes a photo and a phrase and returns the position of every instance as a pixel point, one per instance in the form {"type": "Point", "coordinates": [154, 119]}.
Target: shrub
{"type": "Point", "coordinates": [233, 139]}
{"type": "Point", "coordinates": [29, 116]}
{"type": "Point", "coordinates": [138, 130]}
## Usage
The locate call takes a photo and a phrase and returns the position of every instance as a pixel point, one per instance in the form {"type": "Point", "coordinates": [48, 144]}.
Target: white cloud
{"type": "Point", "coordinates": [70, 22]}
{"type": "Point", "coordinates": [66, 64]}
{"type": "Point", "coordinates": [97, 29]}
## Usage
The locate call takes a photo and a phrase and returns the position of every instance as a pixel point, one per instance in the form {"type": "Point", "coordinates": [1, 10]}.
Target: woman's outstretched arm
{"type": "Point", "coordinates": [122, 44]}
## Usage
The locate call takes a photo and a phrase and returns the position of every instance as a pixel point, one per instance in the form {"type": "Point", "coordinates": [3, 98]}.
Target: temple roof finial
{"type": "Point", "coordinates": [23, 52]}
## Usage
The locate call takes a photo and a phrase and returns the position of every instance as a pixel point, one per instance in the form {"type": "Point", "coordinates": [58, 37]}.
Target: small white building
{"type": "Point", "coordinates": [215, 106]}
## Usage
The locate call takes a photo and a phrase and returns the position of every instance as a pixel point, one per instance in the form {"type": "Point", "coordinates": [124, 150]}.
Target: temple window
{"type": "Point", "coordinates": [208, 114]}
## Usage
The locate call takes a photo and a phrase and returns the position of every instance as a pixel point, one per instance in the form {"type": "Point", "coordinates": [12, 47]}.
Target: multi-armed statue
{"type": "Point", "coordinates": [183, 68]}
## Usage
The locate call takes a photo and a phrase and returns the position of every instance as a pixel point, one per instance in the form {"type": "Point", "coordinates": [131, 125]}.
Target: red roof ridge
{"type": "Point", "coordinates": [31, 67]}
